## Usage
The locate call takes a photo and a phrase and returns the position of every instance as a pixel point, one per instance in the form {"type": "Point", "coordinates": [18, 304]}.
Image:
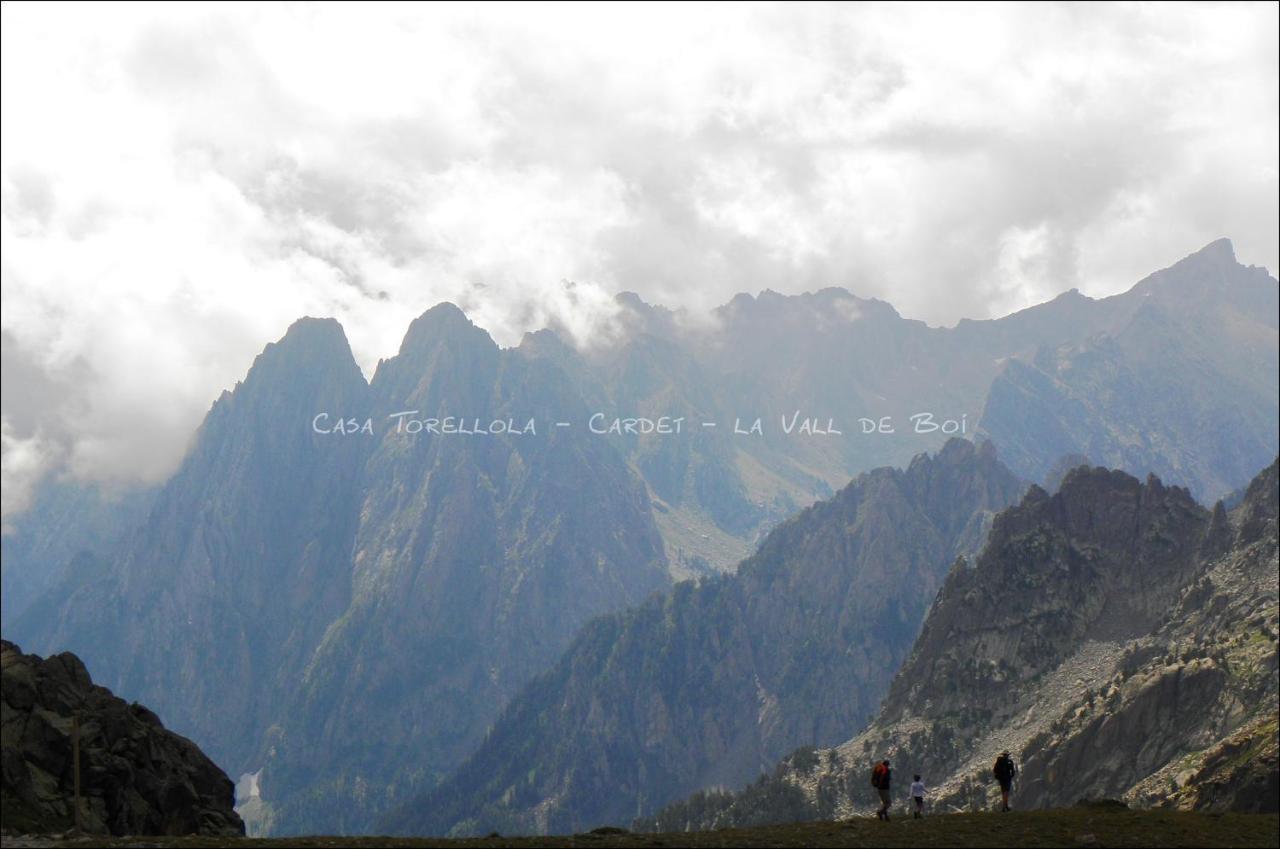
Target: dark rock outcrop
{"type": "Point", "coordinates": [136, 777]}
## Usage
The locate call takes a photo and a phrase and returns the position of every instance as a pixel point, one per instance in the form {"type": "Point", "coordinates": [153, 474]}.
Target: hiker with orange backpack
{"type": "Point", "coordinates": [881, 777]}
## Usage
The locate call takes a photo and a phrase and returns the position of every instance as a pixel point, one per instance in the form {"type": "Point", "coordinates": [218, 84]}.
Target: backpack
{"type": "Point", "coordinates": [1003, 769]}
{"type": "Point", "coordinates": [877, 776]}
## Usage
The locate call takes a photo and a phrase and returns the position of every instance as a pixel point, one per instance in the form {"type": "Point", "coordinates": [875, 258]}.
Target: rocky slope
{"type": "Point", "coordinates": [1117, 637]}
{"type": "Point", "coordinates": [716, 679]}
{"type": "Point", "coordinates": [136, 777]}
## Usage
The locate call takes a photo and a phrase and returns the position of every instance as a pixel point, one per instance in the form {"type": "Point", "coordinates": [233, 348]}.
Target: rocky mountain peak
{"type": "Point", "coordinates": [1100, 505]}
{"type": "Point", "coordinates": [445, 324]}
{"type": "Point", "coordinates": [1104, 557]}
{"type": "Point", "coordinates": [320, 342]}
{"type": "Point", "coordinates": [312, 363]}
{"type": "Point", "coordinates": [1219, 250]}
{"type": "Point", "coordinates": [956, 451]}
{"type": "Point", "coordinates": [441, 351]}
{"type": "Point", "coordinates": [310, 330]}
{"type": "Point", "coordinates": [1212, 269]}
{"type": "Point", "coordinates": [545, 343]}
{"type": "Point", "coordinates": [1205, 264]}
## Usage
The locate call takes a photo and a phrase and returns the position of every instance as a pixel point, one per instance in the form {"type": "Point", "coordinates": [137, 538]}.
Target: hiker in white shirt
{"type": "Point", "coordinates": [917, 795]}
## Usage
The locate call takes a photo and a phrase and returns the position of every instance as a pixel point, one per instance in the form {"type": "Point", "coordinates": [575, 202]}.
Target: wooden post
{"type": "Point", "coordinates": [75, 768]}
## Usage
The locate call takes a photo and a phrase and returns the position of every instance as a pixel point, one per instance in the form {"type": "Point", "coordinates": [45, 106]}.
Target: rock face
{"type": "Point", "coordinates": [1239, 773]}
{"type": "Point", "coordinates": [136, 777]}
{"type": "Point", "coordinates": [713, 681]}
{"type": "Point", "coordinates": [1119, 639]}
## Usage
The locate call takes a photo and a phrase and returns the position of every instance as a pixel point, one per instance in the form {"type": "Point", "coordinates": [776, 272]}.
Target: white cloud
{"type": "Point", "coordinates": [23, 462]}
{"type": "Point", "coordinates": [181, 182]}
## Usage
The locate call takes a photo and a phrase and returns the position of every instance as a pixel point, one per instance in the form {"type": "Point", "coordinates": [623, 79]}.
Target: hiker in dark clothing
{"type": "Point", "coordinates": [1004, 771]}
{"type": "Point", "coordinates": [881, 776]}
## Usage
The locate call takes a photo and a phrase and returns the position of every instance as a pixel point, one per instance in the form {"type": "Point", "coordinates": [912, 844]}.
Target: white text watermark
{"type": "Point", "coordinates": [795, 423]}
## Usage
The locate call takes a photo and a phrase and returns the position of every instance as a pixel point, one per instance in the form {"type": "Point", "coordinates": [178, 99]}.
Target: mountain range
{"type": "Point", "coordinates": [350, 617]}
{"type": "Point", "coordinates": [1176, 376]}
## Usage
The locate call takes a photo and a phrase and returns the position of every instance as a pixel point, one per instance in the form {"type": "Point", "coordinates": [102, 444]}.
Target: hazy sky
{"type": "Point", "coordinates": [180, 183]}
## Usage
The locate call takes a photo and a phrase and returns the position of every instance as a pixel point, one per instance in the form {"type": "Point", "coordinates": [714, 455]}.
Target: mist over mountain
{"type": "Point", "coordinates": [346, 615]}
{"type": "Point", "coordinates": [1178, 375]}
{"type": "Point", "coordinates": [1117, 637]}
{"type": "Point", "coordinates": [66, 520]}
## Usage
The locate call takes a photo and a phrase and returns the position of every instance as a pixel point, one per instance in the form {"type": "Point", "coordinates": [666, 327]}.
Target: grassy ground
{"type": "Point", "coordinates": [1073, 827]}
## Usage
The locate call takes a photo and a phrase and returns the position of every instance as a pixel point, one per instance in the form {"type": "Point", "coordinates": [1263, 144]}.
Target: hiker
{"type": "Point", "coordinates": [880, 779]}
{"type": "Point", "coordinates": [917, 796]}
{"type": "Point", "coordinates": [1004, 771]}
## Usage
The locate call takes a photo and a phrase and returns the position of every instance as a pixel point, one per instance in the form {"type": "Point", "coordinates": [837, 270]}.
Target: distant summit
{"type": "Point", "coordinates": [1219, 251]}
{"type": "Point", "coordinates": [444, 323]}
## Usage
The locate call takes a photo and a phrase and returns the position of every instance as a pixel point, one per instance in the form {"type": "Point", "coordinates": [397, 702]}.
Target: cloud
{"type": "Point", "coordinates": [179, 184]}
{"type": "Point", "coordinates": [23, 463]}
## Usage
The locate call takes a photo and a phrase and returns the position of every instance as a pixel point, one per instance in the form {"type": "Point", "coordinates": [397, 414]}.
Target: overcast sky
{"type": "Point", "coordinates": [180, 183]}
